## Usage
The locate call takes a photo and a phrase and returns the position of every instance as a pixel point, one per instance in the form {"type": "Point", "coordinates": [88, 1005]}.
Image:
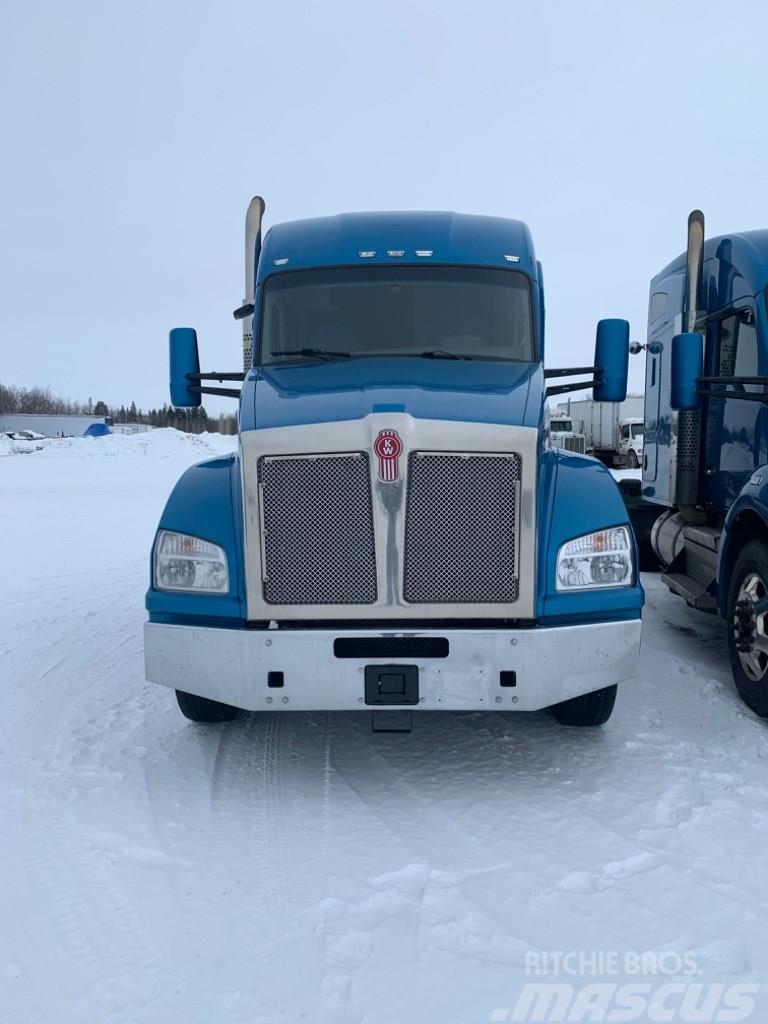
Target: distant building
{"type": "Point", "coordinates": [52, 425]}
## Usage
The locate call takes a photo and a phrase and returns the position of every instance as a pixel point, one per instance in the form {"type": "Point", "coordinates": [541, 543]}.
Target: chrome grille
{"type": "Point", "coordinates": [317, 529]}
{"type": "Point", "coordinates": [461, 528]}
{"type": "Point", "coordinates": [573, 443]}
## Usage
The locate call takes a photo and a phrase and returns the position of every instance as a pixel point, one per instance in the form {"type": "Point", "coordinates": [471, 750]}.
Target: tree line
{"type": "Point", "coordinates": [42, 401]}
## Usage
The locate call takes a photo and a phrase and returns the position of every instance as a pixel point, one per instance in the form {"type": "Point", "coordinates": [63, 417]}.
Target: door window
{"type": "Point", "coordinates": [735, 442]}
{"type": "Point", "coordinates": [738, 351]}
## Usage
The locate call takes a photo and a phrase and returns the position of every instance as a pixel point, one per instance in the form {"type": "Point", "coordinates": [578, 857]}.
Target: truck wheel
{"type": "Point", "coordinates": [589, 709]}
{"type": "Point", "coordinates": [200, 709]}
{"type": "Point", "coordinates": [748, 626]}
{"type": "Point", "coordinates": [632, 460]}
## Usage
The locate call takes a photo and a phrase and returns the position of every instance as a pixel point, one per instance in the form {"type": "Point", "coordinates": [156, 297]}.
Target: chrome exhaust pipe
{"type": "Point", "coordinates": [253, 220]}
{"type": "Point", "coordinates": [689, 421]}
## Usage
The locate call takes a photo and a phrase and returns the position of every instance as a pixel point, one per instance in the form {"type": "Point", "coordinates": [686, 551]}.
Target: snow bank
{"type": "Point", "coordinates": [165, 442]}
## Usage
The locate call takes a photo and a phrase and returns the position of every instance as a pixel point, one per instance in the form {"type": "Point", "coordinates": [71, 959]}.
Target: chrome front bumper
{"type": "Point", "coordinates": [551, 665]}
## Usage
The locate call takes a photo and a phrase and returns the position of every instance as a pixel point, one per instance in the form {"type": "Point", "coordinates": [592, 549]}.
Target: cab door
{"type": "Point", "coordinates": [735, 427]}
{"type": "Point", "coordinates": [624, 436]}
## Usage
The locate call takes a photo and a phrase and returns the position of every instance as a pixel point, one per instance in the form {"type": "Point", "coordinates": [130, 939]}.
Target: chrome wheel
{"type": "Point", "coordinates": [750, 628]}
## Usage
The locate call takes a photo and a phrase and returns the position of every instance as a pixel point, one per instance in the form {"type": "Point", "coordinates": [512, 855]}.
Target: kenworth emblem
{"type": "Point", "coordinates": [388, 447]}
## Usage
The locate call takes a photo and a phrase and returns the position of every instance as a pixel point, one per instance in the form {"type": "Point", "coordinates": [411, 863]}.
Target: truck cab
{"type": "Point", "coordinates": [705, 461]}
{"type": "Point", "coordinates": [630, 445]}
{"type": "Point", "coordinates": [562, 434]}
{"type": "Point", "coordinates": [393, 530]}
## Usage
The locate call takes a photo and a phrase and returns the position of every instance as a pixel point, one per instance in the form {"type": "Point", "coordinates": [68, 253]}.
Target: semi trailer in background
{"type": "Point", "coordinates": [393, 532]}
{"type": "Point", "coordinates": [613, 430]}
{"type": "Point", "coordinates": [54, 424]}
{"type": "Point", "coordinates": [706, 438]}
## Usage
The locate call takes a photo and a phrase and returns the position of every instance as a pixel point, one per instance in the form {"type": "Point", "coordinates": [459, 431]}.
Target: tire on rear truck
{"type": "Point", "coordinates": [747, 620]}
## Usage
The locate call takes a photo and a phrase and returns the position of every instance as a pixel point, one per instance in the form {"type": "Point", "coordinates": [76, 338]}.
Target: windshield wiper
{"type": "Point", "coordinates": [439, 353]}
{"type": "Point", "coordinates": [319, 353]}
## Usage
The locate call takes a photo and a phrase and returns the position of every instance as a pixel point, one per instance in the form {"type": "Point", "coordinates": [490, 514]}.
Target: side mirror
{"type": "Point", "coordinates": [184, 360]}
{"type": "Point", "coordinates": [612, 361]}
{"type": "Point", "coordinates": [687, 367]}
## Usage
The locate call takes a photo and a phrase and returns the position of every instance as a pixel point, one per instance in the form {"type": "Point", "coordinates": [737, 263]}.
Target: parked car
{"type": "Point", "coordinates": [26, 435]}
{"type": "Point", "coordinates": [24, 440]}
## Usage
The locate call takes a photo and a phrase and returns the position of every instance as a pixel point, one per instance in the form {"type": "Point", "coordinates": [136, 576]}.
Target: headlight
{"type": "Point", "coordinates": [188, 563]}
{"type": "Point", "coordinates": [602, 559]}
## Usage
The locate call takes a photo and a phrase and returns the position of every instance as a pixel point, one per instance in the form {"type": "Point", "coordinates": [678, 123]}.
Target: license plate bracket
{"type": "Point", "coordinates": [391, 684]}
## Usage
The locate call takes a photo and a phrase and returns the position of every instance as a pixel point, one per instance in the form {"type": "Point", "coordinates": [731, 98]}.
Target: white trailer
{"type": "Point", "coordinates": [613, 430]}
{"type": "Point", "coordinates": [50, 424]}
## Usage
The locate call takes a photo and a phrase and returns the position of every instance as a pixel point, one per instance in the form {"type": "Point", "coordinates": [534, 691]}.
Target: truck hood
{"type": "Point", "coordinates": [480, 392]}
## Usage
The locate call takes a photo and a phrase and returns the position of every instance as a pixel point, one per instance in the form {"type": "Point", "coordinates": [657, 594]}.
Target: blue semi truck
{"type": "Point", "coordinates": [394, 530]}
{"type": "Point", "coordinates": [705, 463]}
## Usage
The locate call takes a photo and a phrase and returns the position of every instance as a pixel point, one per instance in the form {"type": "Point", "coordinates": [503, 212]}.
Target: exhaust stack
{"type": "Point", "coordinates": [253, 220]}
{"type": "Point", "coordinates": [693, 270]}
{"type": "Point", "coordinates": [689, 422]}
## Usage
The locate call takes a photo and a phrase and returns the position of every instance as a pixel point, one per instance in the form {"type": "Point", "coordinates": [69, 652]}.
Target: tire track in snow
{"type": "Point", "coordinates": [435, 902]}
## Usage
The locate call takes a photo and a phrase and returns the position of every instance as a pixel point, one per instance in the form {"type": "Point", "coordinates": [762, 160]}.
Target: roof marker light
{"type": "Point", "coordinates": [395, 252]}
{"type": "Point", "coordinates": [281, 262]}
{"type": "Point", "coordinates": [366, 254]}
{"type": "Point", "coordinates": [424, 252]}
{"type": "Point", "coordinates": [512, 259]}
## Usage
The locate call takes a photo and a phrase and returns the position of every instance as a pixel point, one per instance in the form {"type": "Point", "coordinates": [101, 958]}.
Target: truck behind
{"type": "Point", "coordinates": [705, 466]}
{"type": "Point", "coordinates": [613, 430]}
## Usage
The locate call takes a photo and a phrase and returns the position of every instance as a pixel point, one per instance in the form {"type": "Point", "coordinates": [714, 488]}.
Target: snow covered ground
{"type": "Point", "coordinates": [294, 867]}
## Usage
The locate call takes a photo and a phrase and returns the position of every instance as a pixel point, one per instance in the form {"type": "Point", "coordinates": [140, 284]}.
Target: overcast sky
{"type": "Point", "coordinates": [135, 133]}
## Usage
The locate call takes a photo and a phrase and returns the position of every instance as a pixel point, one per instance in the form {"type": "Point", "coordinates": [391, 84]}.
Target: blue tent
{"type": "Point", "coordinates": [97, 430]}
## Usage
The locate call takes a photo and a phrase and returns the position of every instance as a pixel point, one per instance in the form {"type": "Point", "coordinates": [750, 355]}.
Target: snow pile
{"type": "Point", "coordinates": [163, 443]}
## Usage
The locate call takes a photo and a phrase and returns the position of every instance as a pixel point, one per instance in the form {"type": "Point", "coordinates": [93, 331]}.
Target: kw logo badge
{"type": "Point", "coordinates": [388, 447]}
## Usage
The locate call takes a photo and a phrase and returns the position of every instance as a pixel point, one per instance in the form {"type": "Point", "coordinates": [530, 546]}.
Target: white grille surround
{"type": "Point", "coordinates": [447, 439]}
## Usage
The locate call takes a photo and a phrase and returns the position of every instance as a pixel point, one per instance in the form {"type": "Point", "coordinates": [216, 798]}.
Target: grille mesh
{"type": "Point", "coordinates": [318, 530]}
{"type": "Point", "coordinates": [461, 529]}
{"type": "Point", "coordinates": [577, 443]}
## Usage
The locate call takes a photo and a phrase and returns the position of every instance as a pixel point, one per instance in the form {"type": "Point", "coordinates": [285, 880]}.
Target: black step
{"type": "Point", "coordinates": [692, 591]}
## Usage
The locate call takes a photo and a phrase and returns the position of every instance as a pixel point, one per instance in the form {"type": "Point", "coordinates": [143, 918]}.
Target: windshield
{"type": "Point", "coordinates": [434, 312]}
{"type": "Point", "coordinates": [636, 429]}
{"type": "Point", "coordinates": [561, 426]}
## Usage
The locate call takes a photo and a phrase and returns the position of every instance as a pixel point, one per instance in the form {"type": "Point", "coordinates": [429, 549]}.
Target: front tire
{"type": "Point", "coordinates": [588, 710]}
{"type": "Point", "coordinates": [632, 460]}
{"type": "Point", "coordinates": [201, 709]}
{"type": "Point", "coordinates": [747, 619]}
